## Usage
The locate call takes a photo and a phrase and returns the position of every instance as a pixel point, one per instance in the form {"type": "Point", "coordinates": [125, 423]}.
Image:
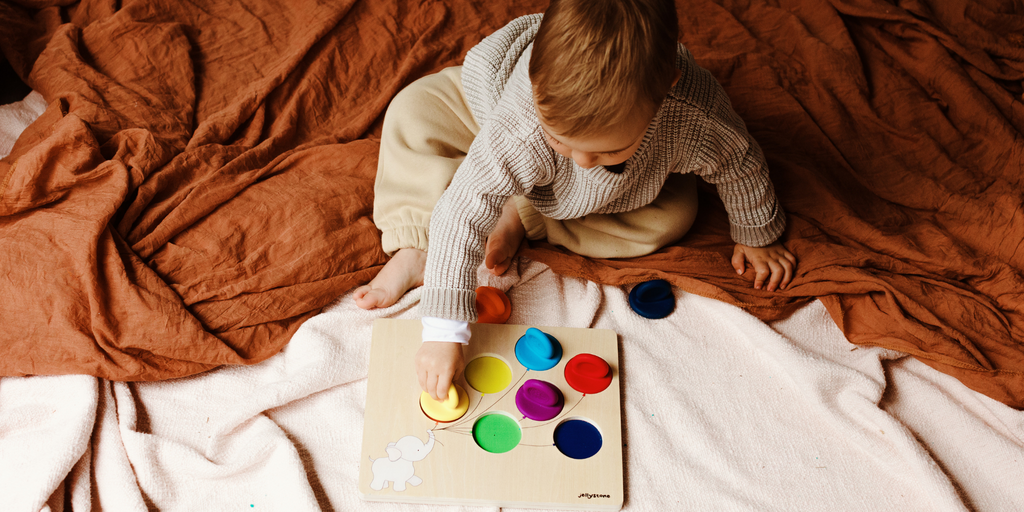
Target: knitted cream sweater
{"type": "Point", "coordinates": [695, 130]}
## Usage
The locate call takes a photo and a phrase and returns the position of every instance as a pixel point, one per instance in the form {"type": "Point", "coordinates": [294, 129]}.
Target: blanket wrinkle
{"type": "Point", "coordinates": [849, 393]}
{"type": "Point", "coordinates": [63, 410]}
{"type": "Point", "coordinates": [243, 141]}
{"type": "Point", "coordinates": [931, 204]}
{"type": "Point", "coordinates": [114, 91]}
{"type": "Point", "coordinates": [721, 411]}
{"type": "Point", "coordinates": [276, 278]}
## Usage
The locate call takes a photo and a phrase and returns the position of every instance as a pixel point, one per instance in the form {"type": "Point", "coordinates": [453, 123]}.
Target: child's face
{"type": "Point", "coordinates": [610, 148]}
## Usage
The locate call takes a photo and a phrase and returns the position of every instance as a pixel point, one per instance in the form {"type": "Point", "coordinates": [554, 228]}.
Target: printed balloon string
{"type": "Point", "coordinates": [560, 415]}
{"type": "Point", "coordinates": [510, 388]}
{"type": "Point", "coordinates": [465, 418]}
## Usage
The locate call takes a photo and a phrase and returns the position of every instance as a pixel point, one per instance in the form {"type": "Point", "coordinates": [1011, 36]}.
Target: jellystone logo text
{"type": "Point", "coordinates": [587, 495]}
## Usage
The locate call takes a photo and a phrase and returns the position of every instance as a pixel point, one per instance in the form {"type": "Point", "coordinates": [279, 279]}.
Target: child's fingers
{"type": "Point", "coordinates": [787, 277]}
{"type": "Point", "coordinates": [458, 372]}
{"type": "Point", "coordinates": [431, 385]}
{"type": "Point", "coordinates": [778, 272]}
{"type": "Point", "coordinates": [787, 266]}
{"type": "Point", "coordinates": [762, 272]}
{"type": "Point", "coordinates": [739, 261]}
{"type": "Point", "coordinates": [444, 382]}
{"type": "Point", "coordinates": [789, 256]}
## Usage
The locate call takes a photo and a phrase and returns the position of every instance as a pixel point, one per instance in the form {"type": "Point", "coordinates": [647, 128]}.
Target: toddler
{"type": "Point", "coordinates": [584, 126]}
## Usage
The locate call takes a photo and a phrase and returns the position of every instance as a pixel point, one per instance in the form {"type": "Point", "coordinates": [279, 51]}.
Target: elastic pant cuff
{"type": "Point", "coordinates": [533, 221]}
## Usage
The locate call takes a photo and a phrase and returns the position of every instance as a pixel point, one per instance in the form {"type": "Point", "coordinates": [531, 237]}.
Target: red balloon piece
{"type": "Point", "coordinates": [588, 374]}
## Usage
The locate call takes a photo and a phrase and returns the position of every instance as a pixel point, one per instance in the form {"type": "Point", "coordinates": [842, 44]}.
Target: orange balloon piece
{"type": "Point", "coordinates": [492, 306]}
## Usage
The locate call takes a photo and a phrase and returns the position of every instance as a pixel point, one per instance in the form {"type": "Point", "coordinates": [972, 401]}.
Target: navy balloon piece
{"type": "Point", "coordinates": [653, 299]}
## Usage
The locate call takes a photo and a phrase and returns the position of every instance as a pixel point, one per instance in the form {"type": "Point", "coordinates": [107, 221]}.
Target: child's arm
{"type": "Point", "coordinates": [730, 158]}
{"type": "Point", "coordinates": [467, 212]}
{"type": "Point", "coordinates": [772, 262]}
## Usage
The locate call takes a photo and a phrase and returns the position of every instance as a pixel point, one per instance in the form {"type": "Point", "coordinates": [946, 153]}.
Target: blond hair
{"type": "Point", "coordinates": [595, 62]}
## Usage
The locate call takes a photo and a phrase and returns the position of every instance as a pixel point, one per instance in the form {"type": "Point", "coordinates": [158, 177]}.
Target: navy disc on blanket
{"type": "Point", "coordinates": [653, 299]}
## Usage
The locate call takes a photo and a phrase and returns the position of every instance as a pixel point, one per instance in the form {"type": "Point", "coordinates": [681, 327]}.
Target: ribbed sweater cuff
{"type": "Point", "coordinates": [450, 304]}
{"type": "Point", "coordinates": [760, 236]}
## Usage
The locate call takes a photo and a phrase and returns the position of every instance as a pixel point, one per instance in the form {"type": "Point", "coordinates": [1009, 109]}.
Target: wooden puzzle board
{"type": "Point", "coordinates": [533, 474]}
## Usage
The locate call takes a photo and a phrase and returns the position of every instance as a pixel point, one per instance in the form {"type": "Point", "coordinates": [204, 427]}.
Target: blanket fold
{"type": "Point", "coordinates": [895, 144]}
{"type": "Point", "coordinates": [202, 182]}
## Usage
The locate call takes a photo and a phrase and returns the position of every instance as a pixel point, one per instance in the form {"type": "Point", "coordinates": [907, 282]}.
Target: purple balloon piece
{"type": "Point", "coordinates": [539, 400]}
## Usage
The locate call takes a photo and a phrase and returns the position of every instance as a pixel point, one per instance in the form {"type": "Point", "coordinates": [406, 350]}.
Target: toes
{"type": "Point", "coordinates": [499, 268]}
{"type": "Point", "coordinates": [359, 296]}
{"type": "Point", "coordinates": [490, 258]}
{"type": "Point", "coordinates": [497, 259]}
{"type": "Point", "coordinates": [403, 272]}
{"type": "Point", "coordinates": [494, 255]}
{"type": "Point", "coordinates": [370, 298]}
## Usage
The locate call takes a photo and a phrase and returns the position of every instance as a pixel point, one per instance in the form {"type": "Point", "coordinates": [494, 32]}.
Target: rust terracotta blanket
{"type": "Point", "coordinates": [202, 181]}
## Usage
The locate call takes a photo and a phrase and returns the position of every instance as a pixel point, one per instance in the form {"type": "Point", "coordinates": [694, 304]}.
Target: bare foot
{"type": "Point", "coordinates": [401, 273]}
{"type": "Point", "coordinates": [504, 241]}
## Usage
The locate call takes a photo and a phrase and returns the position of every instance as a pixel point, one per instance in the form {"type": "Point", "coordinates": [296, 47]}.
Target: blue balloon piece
{"type": "Point", "coordinates": [578, 439]}
{"type": "Point", "coordinates": [653, 299]}
{"type": "Point", "coordinates": [538, 350]}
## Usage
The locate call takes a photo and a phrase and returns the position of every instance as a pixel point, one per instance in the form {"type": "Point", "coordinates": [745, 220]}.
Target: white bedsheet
{"type": "Point", "coordinates": [721, 412]}
{"type": "Point", "coordinates": [15, 117]}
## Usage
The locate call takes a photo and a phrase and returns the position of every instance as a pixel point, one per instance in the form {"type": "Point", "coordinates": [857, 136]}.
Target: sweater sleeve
{"type": "Point", "coordinates": [732, 160]}
{"type": "Point", "coordinates": [465, 215]}
{"type": "Point", "coordinates": [489, 65]}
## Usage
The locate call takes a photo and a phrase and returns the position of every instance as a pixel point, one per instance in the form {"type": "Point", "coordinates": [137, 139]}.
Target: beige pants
{"type": "Point", "coordinates": [426, 133]}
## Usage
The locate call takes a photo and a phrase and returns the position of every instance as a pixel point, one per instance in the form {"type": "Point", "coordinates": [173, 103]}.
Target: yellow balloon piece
{"type": "Point", "coordinates": [488, 374]}
{"type": "Point", "coordinates": [451, 409]}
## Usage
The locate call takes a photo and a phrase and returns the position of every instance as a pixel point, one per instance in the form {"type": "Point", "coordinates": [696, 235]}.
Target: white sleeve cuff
{"type": "Point", "coordinates": [443, 329]}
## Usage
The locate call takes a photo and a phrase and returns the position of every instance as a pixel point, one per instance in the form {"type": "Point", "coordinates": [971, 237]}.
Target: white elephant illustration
{"type": "Point", "coordinates": [398, 466]}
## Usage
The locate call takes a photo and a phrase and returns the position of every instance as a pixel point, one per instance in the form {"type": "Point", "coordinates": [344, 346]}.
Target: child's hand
{"type": "Point", "coordinates": [438, 363]}
{"type": "Point", "coordinates": [772, 261]}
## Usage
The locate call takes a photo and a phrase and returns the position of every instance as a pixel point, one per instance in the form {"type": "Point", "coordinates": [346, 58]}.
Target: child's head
{"type": "Point", "coordinates": [599, 64]}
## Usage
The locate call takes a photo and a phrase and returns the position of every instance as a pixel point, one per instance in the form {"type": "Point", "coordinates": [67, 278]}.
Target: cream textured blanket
{"type": "Point", "coordinates": [721, 412]}
{"type": "Point", "coordinates": [15, 117]}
